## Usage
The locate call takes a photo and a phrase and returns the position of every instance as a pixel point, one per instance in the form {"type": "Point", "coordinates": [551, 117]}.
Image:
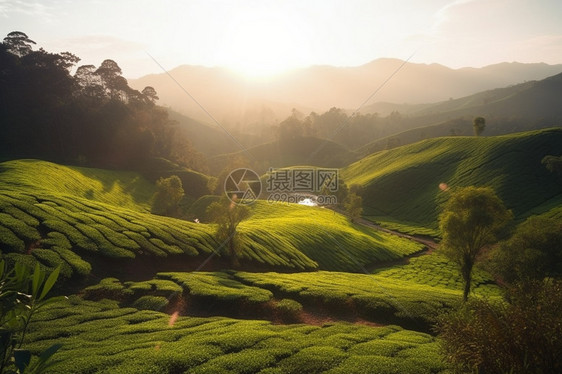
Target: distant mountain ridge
{"type": "Point", "coordinates": [526, 106]}
{"type": "Point", "coordinates": [232, 99]}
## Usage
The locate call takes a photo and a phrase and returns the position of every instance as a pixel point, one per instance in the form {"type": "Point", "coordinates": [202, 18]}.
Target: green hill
{"type": "Point", "coordinates": [530, 100]}
{"type": "Point", "coordinates": [96, 222]}
{"type": "Point", "coordinates": [527, 106]}
{"type": "Point", "coordinates": [402, 184]}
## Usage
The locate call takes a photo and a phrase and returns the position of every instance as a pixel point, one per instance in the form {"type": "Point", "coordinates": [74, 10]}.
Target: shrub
{"type": "Point", "coordinates": [533, 252]}
{"type": "Point", "coordinates": [156, 303]}
{"type": "Point", "coordinates": [167, 196]}
{"type": "Point", "coordinates": [523, 336]}
{"type": "Point", "coordinates": [289, 309]}
{"type": "Point", "coordinates": [110, 288]}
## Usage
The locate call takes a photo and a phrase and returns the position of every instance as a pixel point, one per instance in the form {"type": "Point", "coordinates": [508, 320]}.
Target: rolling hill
{"type": "Point", "coordinates": [402, 184]}
{"type": "Point", "coordinates": [522, 107]}
{"type": "Point", "coordinates": [96, 223]}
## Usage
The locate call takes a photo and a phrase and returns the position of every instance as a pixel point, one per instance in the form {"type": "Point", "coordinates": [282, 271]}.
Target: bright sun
{"type": "Point", "coordinates": [262, 45]}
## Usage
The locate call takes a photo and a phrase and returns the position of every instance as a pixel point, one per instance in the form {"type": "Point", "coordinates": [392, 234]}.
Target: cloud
{"type": "Point", "coordinates": [93, 49]}
{"type": "Point", "coordinates": [100, 44]}
{"type": "Point", "coordinates": [27, 8]}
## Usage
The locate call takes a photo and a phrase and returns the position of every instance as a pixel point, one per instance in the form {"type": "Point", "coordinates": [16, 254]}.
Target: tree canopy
{"type": "Point", "coordinates": [479, 124]}
{"type": "Point", "coordinates": [228, 215]}
{"type": "Point", "coordinates": [93, 117]}
{"type": "Point", "coordinates": [532, 253]}
{"type": "Point", "coordinates": [471, 219]}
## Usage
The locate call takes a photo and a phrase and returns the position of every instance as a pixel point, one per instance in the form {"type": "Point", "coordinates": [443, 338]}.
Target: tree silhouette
{"type": "Point", "coordinates": [478, 124]}
{"type": "Point", "coordinates": [18, 43]}
{"type": "Point", "coordinates": [91, 117]}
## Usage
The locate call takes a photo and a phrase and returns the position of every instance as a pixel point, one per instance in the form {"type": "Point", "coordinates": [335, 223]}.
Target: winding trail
{"type": "Point", "coordinates": [428, 242]}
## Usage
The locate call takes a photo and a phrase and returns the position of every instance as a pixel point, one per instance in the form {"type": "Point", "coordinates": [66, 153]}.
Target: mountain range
{"type": "Point", "coordinates": [213, 94]}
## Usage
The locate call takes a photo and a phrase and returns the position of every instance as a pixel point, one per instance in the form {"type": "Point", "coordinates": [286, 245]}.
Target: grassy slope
{"type": "Point", "coordinates": [527, 106]}
{"type": "Point", "coordinates": [402, 184]}
{"type": "Point", "coordinates": [529, 100]}
{"type": "Point", "coordinates": [105, 336]}
{"type": "Point", "coordinates": [123, 189]}
{"type": "Point", "coordinates": [321, 235]}
{"type": "Point", "coordinates": [410, 295]}
{"type": "Point", "coordinates": [100, 337]}
{"type": "Point", "coordinates": [81, 217]}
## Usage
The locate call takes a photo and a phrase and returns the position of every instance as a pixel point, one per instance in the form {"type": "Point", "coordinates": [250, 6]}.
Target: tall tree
{"type": "Point", "coordinates": [228, 215]}
{"type": "Point", "coordinates": [18, 43]}
{"type": "Point", "coordinates": [471, 219]}
{"type": "Point", "coordinates": [150, 95]}
{"type": "Point", "coordinates": [478, 124]}
{"type": "Point", "coordinates": [354, 206]}
{"type": "Point", "coordinates": [110, 74]}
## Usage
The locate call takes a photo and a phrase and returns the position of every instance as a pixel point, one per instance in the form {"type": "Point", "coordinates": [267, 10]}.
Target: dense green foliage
{"type": "Point", "coordinates": [380, 298]}
{"type": "Point", "coordinates": [402, 184]}
{"type": "Point", "coordinates": [22, 294]}
{"type": "Point", "coordinates": [228, 214]}
{"type": "Point", "coordinates": [92, 117]}
{"type": "Point", "coordinates": [353, 206]}
{"type": "Point", "coordinates": [437, 271]}
{"type": "Point", "coordinates": [217, 286]}
{"type": "Point", "coordinates": [522, 336]}
{"type": "Point", "coordinates": [166, 199]}
{"type": "Point", "coordinates": [410, 294]}
{"type": "Point", "coordinates": [533, 252]}
{"type": "Point", "coordinates": [479, 124]}
{"type": "Point", "coordinates": [99, 337]}
{"type": "Point", "coordinates": [471, 219]}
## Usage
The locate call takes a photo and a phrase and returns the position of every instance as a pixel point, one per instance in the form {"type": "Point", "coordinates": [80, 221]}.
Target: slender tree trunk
{"type": "Point", "coordinates": [233, 251]}
{"type": "Point", "coordinates": [467, 277]}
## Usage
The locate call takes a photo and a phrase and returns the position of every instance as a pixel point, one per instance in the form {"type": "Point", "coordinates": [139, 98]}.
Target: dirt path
{"type": "Point", "coordinates": [428, 242]}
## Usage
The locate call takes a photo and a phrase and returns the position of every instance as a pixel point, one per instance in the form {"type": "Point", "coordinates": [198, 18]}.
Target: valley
{"type": "Point", "coordinates": [287, 232]}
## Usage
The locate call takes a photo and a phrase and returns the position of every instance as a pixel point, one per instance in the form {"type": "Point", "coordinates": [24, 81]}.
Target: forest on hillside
{"type": "Point", "coordinates": [88, 116]}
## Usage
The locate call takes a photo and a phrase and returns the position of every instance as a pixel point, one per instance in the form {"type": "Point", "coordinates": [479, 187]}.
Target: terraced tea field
{"type": "Point", "coordinates": [100, 337]}
{"type": "Point", "coordinates": [302, 300]}
{"type": "Point", "coordinates": [150, 326]}
{"type": "Point", "coordinates": [410, 295]}
{"type": "Point", "coordinates": [402, 184]}
{"type": "Point", "coordinates": [95, 215]}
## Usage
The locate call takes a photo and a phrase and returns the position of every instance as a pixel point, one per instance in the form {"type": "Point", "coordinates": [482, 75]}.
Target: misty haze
{"type": "Point", "coordinates": [280, 187]}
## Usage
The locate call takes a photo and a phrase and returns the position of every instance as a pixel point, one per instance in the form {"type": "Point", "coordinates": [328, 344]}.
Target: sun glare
{"type": "Point", "coordinates": [261, 45]}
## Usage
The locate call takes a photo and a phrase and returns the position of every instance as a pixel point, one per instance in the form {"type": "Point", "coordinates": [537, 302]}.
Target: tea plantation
{"type": "Point", "coordinates": [402, 184]}
{"type": "Point", "coordinates": [313, 293]}
{"type": "Point", "coordinates": [94, 215]}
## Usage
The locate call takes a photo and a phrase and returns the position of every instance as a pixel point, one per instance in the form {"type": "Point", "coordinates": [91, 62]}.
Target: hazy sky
{"type": "Point", "coordinates": [262, 36]}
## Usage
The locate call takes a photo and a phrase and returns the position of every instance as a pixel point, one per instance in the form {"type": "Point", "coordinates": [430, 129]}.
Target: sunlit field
{"type": "Point", "coordinates": [280, 187]}
{"type": "Point", "coordinates": [510, 164]}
